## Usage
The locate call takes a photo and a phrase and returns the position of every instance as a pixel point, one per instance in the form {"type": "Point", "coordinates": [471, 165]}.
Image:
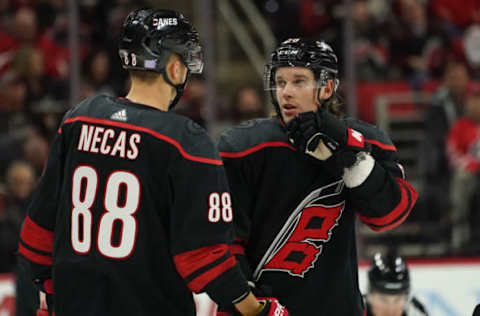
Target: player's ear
{"type": "Point", "coordinates": [174, 69]}
{"type": "Point", "coordinates": [327, 90]}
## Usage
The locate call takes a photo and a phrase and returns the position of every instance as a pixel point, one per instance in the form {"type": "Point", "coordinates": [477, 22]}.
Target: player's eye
{"type": "Point", "coordinates": [300, 82]}
{"type": "Point", "coordinates": [280, 83]}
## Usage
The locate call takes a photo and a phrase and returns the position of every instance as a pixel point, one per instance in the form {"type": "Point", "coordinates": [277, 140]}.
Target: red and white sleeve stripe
{"type": "Point", "coordinates": [399, 213]}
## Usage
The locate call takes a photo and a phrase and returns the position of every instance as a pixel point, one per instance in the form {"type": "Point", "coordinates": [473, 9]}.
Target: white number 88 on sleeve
{"type": "Point", "coordinates": [220, 207]}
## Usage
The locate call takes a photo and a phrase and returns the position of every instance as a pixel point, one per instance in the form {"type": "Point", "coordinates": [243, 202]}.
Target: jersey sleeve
{"type": "Point", "coordinates": [36, 236]}
{"type": "Point", "coordinates": [238, 173]}
{"type": "Point", "coordinates": [201, 227]}
{"type": "Point", "coordinates": [384, 200]}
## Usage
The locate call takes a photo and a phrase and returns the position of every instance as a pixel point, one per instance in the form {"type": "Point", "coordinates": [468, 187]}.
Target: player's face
{"type": "Point", "coordinates": [296, 91]}
{"type": "Point", "coordinates": [387, 304]}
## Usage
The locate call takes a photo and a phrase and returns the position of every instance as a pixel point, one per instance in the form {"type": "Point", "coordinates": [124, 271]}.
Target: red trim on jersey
{"type": "Point", "coordinates": [381, 145]}
{"type": "Point", "coordinates": [236, 249]}
{"type": "Point", "coordinates": [59, 130]}
{"type": "Point", "coordinates": [255, 149]}
{"type": "Point", "coordinates": [148, 131]}
{"type": "Point", "coordinates": [404, 207]}
{"type": "Point", "coordinates": [240, 240]}
{"type": "Point", "coordinates": [190, 261]}
{"type": "Point", "coordinates": [34, 257]}
{"type": "Point", "coordinates": [203, 279]}
{"type": "Point", "coordinates": [36, 236]}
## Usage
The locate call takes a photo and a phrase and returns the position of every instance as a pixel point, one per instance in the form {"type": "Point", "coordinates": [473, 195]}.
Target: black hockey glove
{"type": "Point", "coordinates": [321, 135]}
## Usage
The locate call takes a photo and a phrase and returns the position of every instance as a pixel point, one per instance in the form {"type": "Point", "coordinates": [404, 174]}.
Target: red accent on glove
{"type": "Point", "coordinates": [355, 139]}
{"type": "Point", "coordinates": [42, 312]}
{"type": "Point", "coordinates": [48, 286]}
{"type": "Point", "coordinates": [274, 309]}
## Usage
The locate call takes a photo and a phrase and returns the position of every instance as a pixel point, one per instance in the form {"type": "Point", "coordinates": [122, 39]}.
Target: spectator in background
{"type": "Point", "coordinates": [25, 26]}
{"type": "Point", "coordinates": [13, 96]}
{"type": "Point", "coordinates": [29, 63]}
{"type": "Point", "coordinates": [447, 106]}
{"type": "Point", "coordinates": [247, 104]}
{"type": "Point", "coordinates": [96, 71]}
{"type": "Point", "coordinates": [20, 183]}
{"type": "Point", "coordinates": [25, 32]}
{"type": "Point", "coordinates": [46, 115]}
{"type": "Point", "coordinates": [21, 180]}
{"type": "Point", "coordinates": [412, 40]}
{"type": "Point", "coordinates": [463, 149]}
{"type": "Point", "coordinates": [371, 46]}
{"type": "Point", "coordinates": [316, 17]}
{"type": "Point", "coordinates": [35, 149]}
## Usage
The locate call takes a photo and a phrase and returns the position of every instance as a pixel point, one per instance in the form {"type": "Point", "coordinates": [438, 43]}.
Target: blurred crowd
{"type": "Point", "coordinates": [412, 40]}
{"type": "Point", "coordinates": [393, 39]}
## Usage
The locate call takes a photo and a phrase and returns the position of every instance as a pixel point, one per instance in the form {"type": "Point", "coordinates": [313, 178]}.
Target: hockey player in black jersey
{"type": "Point", "coordinates": [389, 289]}
{"type": "Point", "coordinates": [300, 180]}
{"type": "Point", "coordinates": [133, 211]}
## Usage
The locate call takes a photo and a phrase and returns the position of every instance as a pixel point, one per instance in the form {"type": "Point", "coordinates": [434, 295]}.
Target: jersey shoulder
{"type": "Point", "coordinates": [189, 138]}
{"type": "Point", "coordinates": [251, 134]}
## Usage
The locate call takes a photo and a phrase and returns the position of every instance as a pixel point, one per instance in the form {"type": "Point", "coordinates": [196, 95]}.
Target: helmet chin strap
{"type": "Point", "coordinates": [179, 88]}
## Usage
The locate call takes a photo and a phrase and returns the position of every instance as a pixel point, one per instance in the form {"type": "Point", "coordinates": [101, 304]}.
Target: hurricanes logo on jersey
{"type": "Point", "coordinates": [299, 243]}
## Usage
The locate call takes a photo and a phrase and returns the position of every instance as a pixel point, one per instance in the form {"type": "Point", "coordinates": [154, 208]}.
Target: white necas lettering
{"type": "Point", "coordinates": [104, 148]}
{"type": "Point", "coordinates": [120, 145]}
{"type": "Point", "coordinates": [132, 152]}
{"type": "Point", "coordinates": [105, 141]}
{"type": "Point", "coordinates": [85, 137]}
{"type": "Point", "coordinates": [96, 139]}
{"type": "Point", "coordinates": [161, 22]}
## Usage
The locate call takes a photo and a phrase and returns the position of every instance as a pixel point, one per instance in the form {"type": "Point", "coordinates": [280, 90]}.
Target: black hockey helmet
{"type": "Point", "coordinates": [150, 36]}
{"type": "Point", "coordinates": [388, 274]}
{"type": "Point", "coordinates": [318, 56]}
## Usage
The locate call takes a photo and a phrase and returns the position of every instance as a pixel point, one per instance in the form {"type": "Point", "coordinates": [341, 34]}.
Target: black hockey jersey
{"type": "Point", "coordinates": [295, 218]}
{"type": "Point", "coordinates": [132, 214]}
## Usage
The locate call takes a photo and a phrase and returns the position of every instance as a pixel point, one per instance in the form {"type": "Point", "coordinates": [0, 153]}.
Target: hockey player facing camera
{"type": "Point", "coordinates": [299, 181]}
{"type": "Point", "coordinates": [133, 211]}
{"type": "Point", "coordinates": [389, 289]}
